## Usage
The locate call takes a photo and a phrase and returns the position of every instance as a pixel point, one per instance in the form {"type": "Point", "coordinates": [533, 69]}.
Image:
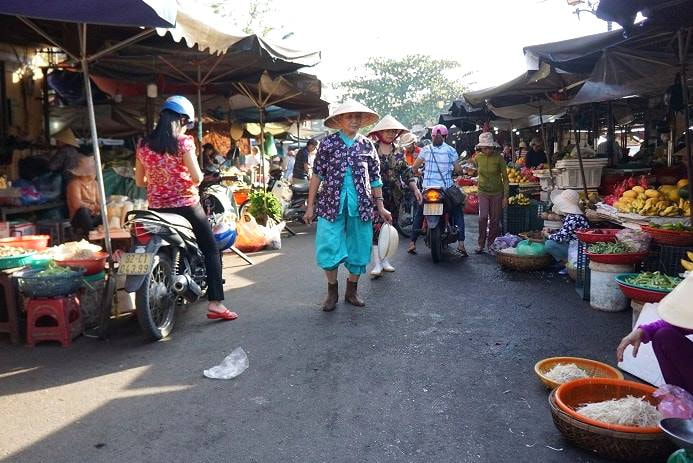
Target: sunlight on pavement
{"type": "Point", "coordinates": [63, 405]}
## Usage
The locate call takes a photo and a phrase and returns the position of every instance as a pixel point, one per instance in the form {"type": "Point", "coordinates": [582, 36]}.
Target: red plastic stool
{"type": "Point", "coordinates": [63, 314]}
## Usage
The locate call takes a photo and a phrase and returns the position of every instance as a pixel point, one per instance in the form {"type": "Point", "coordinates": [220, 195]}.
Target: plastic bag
{"type": "Point", "coordinates": [233, 365]}
{"type": "Point", "coordinates": [472, 204]}
{"type": "Point", "coordinates": [636, 240]}
{"type": "Point", "coordinates": [504, 242]}
{"type": "Point", "coordinates": [528, 248]}
{"type": "Point", "coordinates": [675, 402]}
{"type": "Point", "coordinates": [250, 236]}
{"type": "Point", "coordinates": [273, 234]}
{"type": "Point", "coordinates": [573, 253]}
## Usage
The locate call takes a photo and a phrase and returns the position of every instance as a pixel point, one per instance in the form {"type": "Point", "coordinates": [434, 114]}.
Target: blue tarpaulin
{"type": "Point", "coordinates": [150, 13]}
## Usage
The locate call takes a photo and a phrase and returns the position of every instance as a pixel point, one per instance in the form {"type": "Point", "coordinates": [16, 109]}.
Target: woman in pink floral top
{"type": "Point", "coordinates": [167, 165]}
{"type": "Point", "coordinates": [347, 171]}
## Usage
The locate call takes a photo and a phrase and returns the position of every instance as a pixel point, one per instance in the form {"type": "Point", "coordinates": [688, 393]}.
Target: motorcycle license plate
{"type": "Point", "coordinates": [132, 263]}
{"type": "Point", "coordinates": [433, 209]}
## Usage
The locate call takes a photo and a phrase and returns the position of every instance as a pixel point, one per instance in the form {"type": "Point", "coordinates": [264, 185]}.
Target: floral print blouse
{"type": "Point", "coordinates": [331, 161]}
{"type": "Point", "coordinates": [571, 223]}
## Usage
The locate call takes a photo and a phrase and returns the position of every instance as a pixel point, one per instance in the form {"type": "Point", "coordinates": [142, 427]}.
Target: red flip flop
{"type": "Point", "coordinates": [225, 315]}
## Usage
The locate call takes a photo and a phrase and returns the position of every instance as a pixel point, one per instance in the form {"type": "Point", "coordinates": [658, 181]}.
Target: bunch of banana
{"type": "Point", "coordinates": [685, 206]}
{"type": "Point", "coordinates": [688, 264]}
{"type": "Point", "coordinates": [520, 200]}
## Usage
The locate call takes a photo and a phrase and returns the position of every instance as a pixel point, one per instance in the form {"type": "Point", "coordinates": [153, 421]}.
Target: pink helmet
{"type": "Point", "coordinates": [439, 129]}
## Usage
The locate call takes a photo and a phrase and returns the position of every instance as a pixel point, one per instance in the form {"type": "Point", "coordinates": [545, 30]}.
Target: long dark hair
{"type": "Point", "coordinates": [164, 138]}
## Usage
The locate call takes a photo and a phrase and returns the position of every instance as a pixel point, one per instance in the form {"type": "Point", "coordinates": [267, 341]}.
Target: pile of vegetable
{"type": "Point", "coordinates": [679, 227]}
{"type": "Point", "coordinates": [628, 411]}
{"type": "Point", "coordinates": [609, 248]}
{"type": "Point", "coordinates": [9, 251]}
{"type": "Point", "coordinates": [654, 280]}
{"type": "Point", "coordinates": [54, 270]}
{"type": "Point", "coordinates": [565, 372]}
{"type": "Point", "coordinates": [73, 250]}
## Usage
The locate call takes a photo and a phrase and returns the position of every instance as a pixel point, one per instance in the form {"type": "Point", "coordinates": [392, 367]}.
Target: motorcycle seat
{"type": "Point", "coordinates": [171, 219]}
{"type": "Point", "coordinates": [300, 188]}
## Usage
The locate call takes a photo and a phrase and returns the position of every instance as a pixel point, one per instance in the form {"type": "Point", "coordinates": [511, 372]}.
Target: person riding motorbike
{"type": "Point", "coordinates": [167, 166]}
{"type": "Point", "coordinates": [440, 160]}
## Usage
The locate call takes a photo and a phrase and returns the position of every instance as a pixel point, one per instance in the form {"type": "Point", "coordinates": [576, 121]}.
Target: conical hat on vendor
{"type": "Point", "coordinates": [677, 307]}
{"type": "Point", "coordinates": [86, 167]}
{"type": "Point", "coordinates": [352, 106]}
{"type": "Point", "coordinates": [568, 202]}
{"type": "Point", "coordinates": [67, 136]}
{"type": "Point", "coordinates": [388, 123]}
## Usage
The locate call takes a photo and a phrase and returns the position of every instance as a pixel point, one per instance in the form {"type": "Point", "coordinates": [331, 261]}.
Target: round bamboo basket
{"type": "Point", "coordinates": [508, 259]}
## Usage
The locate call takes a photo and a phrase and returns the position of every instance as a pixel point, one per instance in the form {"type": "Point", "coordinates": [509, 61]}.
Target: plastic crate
{"type": "Point", "coordinates": [666, 259]}
{"type": "Point", "coordinates": [569, 176]}
{"type": "Point", "coordinates": [520, 219]}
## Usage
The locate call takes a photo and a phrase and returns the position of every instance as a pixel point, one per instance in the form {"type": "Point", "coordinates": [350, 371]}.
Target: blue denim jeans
{"type": "Point", "coordinates": [559, 251]}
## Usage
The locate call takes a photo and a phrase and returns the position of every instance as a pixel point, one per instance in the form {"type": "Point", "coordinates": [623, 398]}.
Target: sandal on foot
{"type": "Point", "coordinates": [411, 249]}
{"type": "Point", "coordinates": [479, 250]}
{"type": "Point", "coordinates": [462, 252]}
{"type": "Point", "coordinates": [226, 314]}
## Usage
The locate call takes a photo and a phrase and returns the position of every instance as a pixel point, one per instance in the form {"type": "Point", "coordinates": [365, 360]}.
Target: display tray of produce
{"type": "Point", "coordinates": [614, 253]}
{"type": "Point", "coordinates": [50, 282]}
{"type": "Point", "coordinates": [597, 235]}
{"type": "Point", "coordinates": [13, 257]}
{"type": "Point", "coordinates": [93, 262]}
{"type": "Point", "coordinates": [555, 371]}
{"type": "Point", "coordinates": [646, 286]}
{"type": "Point", "coordinates": [616, 445]}
{"type": "Point", "coordinates": [35, 242]}
{"type": "Point", "coordinates": [673, 234]}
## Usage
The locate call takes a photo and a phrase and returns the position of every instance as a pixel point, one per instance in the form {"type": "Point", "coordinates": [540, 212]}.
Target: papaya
{"type": "Point", "coordinates": [673, 196]}
{"type": "Point", "coordinates": [630, 194]}
{"type": "Point", "coordinates": [650, 193]}
{"type": "Point", "coordinates": [638, 189]}
{"type": "Point", "coordinates": [666, 188]}
{"type": "Point", "coordinates": [682, 183]}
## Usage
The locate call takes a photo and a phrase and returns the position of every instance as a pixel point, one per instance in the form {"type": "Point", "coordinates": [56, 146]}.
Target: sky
{"type": "Point", "coordinates": [485, 37]}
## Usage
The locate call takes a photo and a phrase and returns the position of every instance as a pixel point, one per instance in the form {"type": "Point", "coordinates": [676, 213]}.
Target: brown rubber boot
{"type": "Point", "coordinates": [351, 296]}
{"type": "Point", "coordinates": [332, 297]}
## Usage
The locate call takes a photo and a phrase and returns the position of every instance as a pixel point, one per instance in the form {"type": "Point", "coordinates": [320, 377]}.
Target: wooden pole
{"type": "Point", "coordinates": [579, 153]}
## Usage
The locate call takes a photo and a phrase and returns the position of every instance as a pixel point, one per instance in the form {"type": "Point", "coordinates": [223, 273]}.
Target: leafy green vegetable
{"type": "Point", "coordinates": [53, 270]}
{"type": "Point", "coordinates": [654, 280]}
{"type": "Point", "coordinates": [263, 205]}
{"type": "Point", "coordinates": [609, 248]}
{"type": "Point", "coordinates": [673, 227]}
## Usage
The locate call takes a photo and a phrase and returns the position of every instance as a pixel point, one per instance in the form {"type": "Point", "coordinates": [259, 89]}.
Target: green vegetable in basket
{"type": "Point", "coordinates": [678, 226]}
{"type": "Point", "coordinates": [655, 280]}
{"type": "Point", "coordinates": [609, 248]}
{"type": "Point", "coordinates": [53, 270]}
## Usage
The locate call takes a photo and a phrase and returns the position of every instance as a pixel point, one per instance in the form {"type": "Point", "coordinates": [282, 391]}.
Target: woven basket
{"type": "Point", "coordinates": [623, 446]}
{"type": "Point", "coordinates": [508, 259]}
{"type": "Point", "coordinates": [592, 368]}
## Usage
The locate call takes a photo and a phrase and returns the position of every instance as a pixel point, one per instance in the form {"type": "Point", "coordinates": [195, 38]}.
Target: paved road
{"type": "Point", "coordinates": [437, 368]}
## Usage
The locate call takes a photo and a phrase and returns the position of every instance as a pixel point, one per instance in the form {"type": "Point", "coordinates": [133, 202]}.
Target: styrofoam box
{"type": "Point", "coordinates": [571, 178]}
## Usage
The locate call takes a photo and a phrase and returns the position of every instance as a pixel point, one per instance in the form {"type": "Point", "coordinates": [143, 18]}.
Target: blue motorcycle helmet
{"type": "Point", "coordinates": [224, 235]}
{"type": "Point", "coordinates": [181, 105]}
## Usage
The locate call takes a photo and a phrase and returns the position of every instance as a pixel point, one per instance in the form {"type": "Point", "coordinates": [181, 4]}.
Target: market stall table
{"type": "Point", "coordinates": [17, 210]}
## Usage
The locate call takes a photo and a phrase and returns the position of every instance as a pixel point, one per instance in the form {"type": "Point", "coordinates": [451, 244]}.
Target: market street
{"type": "Point", "coordinates": [438, 367]}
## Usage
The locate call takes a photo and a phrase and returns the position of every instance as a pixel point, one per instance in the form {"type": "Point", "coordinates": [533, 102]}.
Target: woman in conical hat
{"type": "Point", "coordinates": [668, 336]}
{"type": "Point", "coordinates": [347, 169]}
{"type": "Point", "coordinates": [394, 172]}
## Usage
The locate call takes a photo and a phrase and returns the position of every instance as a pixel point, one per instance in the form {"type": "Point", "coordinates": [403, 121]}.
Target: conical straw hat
{"type": "Point", "coordinates": [67, 136]}
{"type": "Point", "coordinates": [388, 240]}
{"type": "Point", "coordinates": [388, 123]}
{"type": "Point", "coordinates": [676, 308]}
{"type": "Point", "coordinates": [352, 106]}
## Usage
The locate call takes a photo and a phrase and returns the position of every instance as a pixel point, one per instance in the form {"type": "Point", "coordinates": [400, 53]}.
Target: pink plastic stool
{"type": "Point", "coordinates": [63, 314]}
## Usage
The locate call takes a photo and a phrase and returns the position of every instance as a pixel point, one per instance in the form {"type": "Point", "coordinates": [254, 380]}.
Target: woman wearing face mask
{"type": "Point", "coordinates": [167, 165]}
{"type": "Point", "coordinates": [348, 169]}
{"type": "Point", "coordinates": [394, 173]}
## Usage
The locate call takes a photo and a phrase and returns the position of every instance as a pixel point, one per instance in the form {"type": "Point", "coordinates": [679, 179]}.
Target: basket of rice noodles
{"type": "Point", "coordinates": [616, 445]}
{"type": "Point", "coordinates": [615, 404]}
{"type": "Point", "coordinates": [555, 371]}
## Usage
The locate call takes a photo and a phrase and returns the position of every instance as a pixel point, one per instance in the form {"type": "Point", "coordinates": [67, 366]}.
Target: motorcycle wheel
{"type": "Point", "coordinates": [436, 243]}
{"type": "Point", "coordinates": [155, 301]}
{"type": "Point", "coordinates": [405, 219]}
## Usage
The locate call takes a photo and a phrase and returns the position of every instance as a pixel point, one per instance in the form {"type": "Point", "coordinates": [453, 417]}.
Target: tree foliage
{"type": "Point", "coordinates": [411, 88]}
{"type": "Point", "coordinates": [250, 16]}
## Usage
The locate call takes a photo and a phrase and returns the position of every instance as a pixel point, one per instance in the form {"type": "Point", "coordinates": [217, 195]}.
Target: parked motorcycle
{"type": "Point", "coordinates": [438, 228]}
